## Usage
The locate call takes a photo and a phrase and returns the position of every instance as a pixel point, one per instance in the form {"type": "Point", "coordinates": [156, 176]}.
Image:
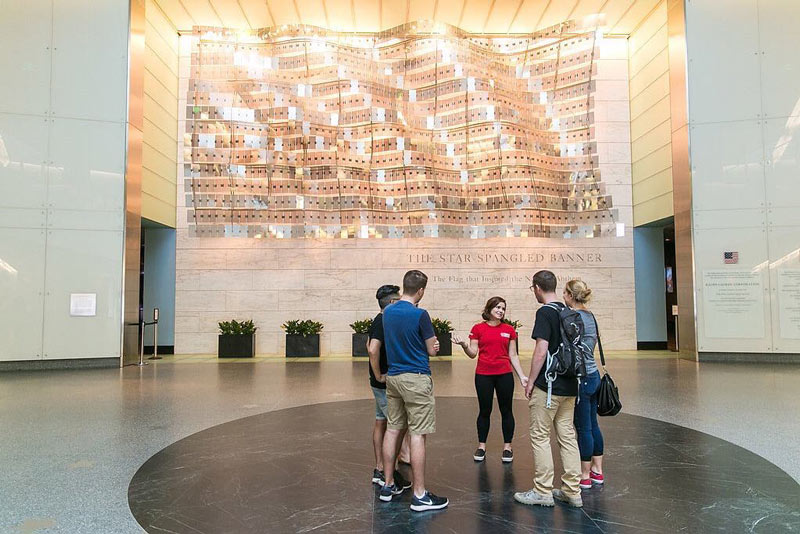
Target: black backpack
{"type": "Point", "coordinates": [569, 358]}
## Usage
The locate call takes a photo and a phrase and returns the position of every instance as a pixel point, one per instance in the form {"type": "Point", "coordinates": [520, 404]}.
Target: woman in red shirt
{"type": "Point", "coordinates": [491, 341]}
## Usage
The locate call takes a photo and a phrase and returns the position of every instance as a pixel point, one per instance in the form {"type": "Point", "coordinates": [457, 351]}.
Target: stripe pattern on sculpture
{"type": "Point", "coordinates": [419, 131]}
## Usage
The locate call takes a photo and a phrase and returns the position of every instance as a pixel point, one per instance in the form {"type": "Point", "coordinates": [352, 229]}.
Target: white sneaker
{"type": "Point", "coordinates": [533, 497]}
{"type": "Point", "coordinates": [575, 502]}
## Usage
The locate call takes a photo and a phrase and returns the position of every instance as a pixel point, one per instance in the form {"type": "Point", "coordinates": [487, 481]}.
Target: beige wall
{"type": "Point", "coordinates": [651, 148]}
{"type": "Point", "coordinates": [334, 280]}
{"type": "Point", "coordinates": [159, 157]}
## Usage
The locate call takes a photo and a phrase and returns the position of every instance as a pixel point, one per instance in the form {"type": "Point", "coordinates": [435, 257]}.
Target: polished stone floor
{"type": "Point", "coordinates": [307, 469]}
{"type": "Point", "coordinates": [72, 441]}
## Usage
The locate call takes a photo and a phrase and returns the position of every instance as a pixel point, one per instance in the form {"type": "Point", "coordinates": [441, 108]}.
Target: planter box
{"type": "Point", "coordinates": [236, 345]}
{"type": "Point", "coordinates": [445, 344]}
{"type": "Point", "coordinates": [298, 346]}
{"type": "Point", "coordinates": [360, 345]}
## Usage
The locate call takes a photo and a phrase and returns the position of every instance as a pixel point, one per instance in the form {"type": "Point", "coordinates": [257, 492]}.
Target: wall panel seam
{"type": "Point", "coordinates": [661, 195]}
{"type": "Point", "coordinates": [160, 58]}
{"type": "Point", "coordinates": [172, 159]}
{"type": "Point", "coordinates": [157, 199]}
{"type": "Point", "coordinates": [153, 31]}
{"type": "Point", "coordinates": [651, 129]}
{"type": "Point", "coordinates": [651, 176]}
{"type": "Point", "coordinates": [648, 108]}
{"type": "Point", "coordinates": [157, 151]}
{"type": "Point", "coordinates": [156, 102]}
{"type": "Point", "coordinates": [641, 66]}
{"type": "Point", "coordinates": [156, 172]}
{"type": "Point", "coordinates": [650, 153]}
{"type": "Point", "coordinates": [165, 38]}
{"type": "Point", "coordinates": [165, 16]}
{"type": "Point", "coordinates": [659, 101]}
{"type": "Point", "coordinates": [651, 74]}
{"type": "Point", "coordinates": [154, 177]}
{"type": "Point", "coordinates": [172, 136]}
{"type": "Point", "coordinates": [156, 78]}
{"type": "Point", "coordinates": [647, 41]}
{"type": "Point", "coordinates": [649, 85]}
{"type": "Point", "coordinates": [635, 49]}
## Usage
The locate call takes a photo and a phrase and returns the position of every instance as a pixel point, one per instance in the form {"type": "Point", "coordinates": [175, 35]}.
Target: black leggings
{"type": "Point", "coordinates": [486, 385]}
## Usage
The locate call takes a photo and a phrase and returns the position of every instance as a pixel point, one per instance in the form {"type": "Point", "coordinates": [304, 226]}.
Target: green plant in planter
{"type": "Point", "coordinates": [362, 326]}
{"type": "Point", "coordinates": [237, 339]}
{"type": "Point", "coordinates": [441, 326]}
{"type": "Point", "coordinates": [236, 328]}
{"type": "Point", "coordinates": [516, 325]}
{"type": "Point", "coordinates": [304, 328]}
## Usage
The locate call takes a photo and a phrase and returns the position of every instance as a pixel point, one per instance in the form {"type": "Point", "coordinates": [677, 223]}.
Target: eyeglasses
{"type": "Point", "coordinates": [532, 288]}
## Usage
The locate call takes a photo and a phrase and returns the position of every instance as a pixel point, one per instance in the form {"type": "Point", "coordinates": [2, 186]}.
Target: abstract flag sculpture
{"type": "Point", "coordinates": [419, 131]}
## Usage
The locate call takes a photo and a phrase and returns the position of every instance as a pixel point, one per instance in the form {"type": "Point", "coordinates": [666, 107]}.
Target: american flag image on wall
{"type": "Point", "coordinates": [730, 258]}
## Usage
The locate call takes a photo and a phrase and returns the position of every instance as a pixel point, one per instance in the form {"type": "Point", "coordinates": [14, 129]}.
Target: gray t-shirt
{"type": "Point", "coordinates": [589, 339]}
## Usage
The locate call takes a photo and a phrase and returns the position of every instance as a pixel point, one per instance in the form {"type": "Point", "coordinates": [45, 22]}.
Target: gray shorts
{"type": "Point", "coordinates": [380, 403]}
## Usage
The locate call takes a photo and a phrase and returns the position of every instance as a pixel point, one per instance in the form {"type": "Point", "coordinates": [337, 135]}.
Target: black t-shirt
{"type": "Point", "coordinates": [547, 326]}
{"type": "Point", "coordinates": [376, 332]}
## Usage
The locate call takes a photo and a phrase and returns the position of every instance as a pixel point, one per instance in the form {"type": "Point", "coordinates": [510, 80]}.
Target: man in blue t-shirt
{"type": "Point", "coordinates": [410, 341]}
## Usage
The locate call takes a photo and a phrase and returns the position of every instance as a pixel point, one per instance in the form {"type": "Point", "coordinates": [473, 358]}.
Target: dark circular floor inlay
{"type": "Point", "coordinates": [308, 469]}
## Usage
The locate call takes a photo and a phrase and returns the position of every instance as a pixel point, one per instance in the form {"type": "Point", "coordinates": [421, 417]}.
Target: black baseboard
{"type": "Point", "coordinates": [48, 365]}
{"type": "Point", "coordinates": [749, 357]}
{"type": "Point", "coordinates": [162, 349]}
{"type": "Point", "coordinates": [651, 345]}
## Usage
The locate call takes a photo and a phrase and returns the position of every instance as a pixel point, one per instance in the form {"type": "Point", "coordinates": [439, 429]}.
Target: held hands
{"type": "Point", "coordinates": [524, 381]}
{"type": "Point", "coordinates": [381, 379]}
{"type": "Point", "coordinates": [529, 389]}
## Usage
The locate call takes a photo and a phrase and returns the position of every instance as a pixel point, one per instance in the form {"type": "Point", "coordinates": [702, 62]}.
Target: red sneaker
{"type": "Point", "coordinates": [586, 483]}
{"type": "Point", "coordinates": [595, 478]}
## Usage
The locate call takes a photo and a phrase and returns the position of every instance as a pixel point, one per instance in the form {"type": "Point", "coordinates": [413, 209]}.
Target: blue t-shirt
{"type": "Point", "coordinates": [405, 329]}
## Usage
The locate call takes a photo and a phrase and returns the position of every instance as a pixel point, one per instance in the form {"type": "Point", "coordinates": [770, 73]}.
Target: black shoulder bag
{"type": "Point", "coordinates": [608, 402]}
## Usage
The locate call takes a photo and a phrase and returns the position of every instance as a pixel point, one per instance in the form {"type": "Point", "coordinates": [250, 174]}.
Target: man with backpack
{"type": "Point", "coordinates": [551, 397]}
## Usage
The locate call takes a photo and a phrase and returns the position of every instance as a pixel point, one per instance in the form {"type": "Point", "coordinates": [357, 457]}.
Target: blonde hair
{"type": "Point", "coordinates": [579, 291]}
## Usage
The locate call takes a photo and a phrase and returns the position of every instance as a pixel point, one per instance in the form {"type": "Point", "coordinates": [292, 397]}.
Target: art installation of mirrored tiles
{"type": "Point", "coordinates": [420, 131]}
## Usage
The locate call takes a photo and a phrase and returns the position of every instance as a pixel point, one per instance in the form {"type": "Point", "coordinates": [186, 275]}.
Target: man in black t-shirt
{"type": "Point", "coordinates": [376, 333]}
{"type": "Point", "coordinates": [547, 334]}
{"type": "Point", "coordinates": [378, 367]}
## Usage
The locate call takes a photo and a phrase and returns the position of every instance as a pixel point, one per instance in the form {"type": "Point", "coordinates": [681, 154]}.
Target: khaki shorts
{"type": "Point", "coordinates": [410, 403]}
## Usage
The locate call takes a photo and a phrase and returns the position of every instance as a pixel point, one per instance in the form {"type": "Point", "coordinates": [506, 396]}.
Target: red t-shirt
{"type": "Point", "coordinates": [493, 348]}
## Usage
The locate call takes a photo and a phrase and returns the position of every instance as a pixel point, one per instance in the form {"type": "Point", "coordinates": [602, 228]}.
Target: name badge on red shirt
{"type": "Point", "coordinates": [505, 334]}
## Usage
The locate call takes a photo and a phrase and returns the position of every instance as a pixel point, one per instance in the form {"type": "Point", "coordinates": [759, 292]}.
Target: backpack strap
{"type": "Point", "coordinates": [599, 343]}
{"type": "Point", "coordinates": [550, 378]}
{"type": "Point", "coordinates": [555, 306]}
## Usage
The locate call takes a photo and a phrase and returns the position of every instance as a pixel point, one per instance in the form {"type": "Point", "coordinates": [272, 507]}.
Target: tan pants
{"type": "Point", "coordinates": [559, 415]}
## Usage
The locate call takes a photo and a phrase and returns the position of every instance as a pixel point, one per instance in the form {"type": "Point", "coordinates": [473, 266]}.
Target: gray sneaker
{"type": "Point", "coordinates": [575, 502]}
{"type": "Point", "coordinates": [534, 498]}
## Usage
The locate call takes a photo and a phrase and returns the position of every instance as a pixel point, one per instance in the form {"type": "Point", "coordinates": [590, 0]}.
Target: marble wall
{"type": "Point", "coordinates": [65, 124]}
{"type": "Point", "coordinates": [743, 117]}
{"type": "Point", "coordinates": [334, 280]}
